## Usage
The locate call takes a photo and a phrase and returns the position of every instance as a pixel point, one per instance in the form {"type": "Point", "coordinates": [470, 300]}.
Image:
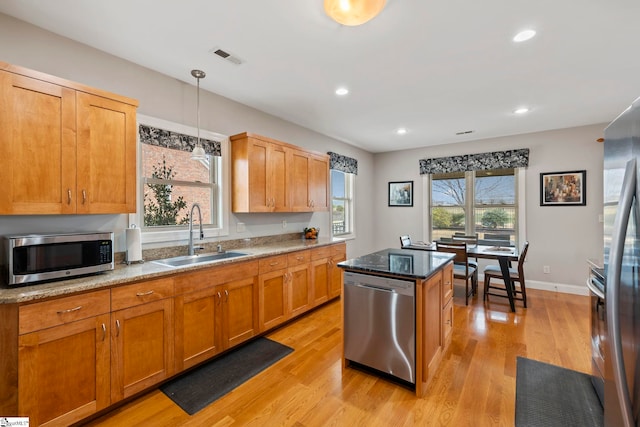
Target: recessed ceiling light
{"type": "Point", "coordinates": [342, 91]}
{"type": "Point", "coordinates": [524, 35]}
{"type": "Point", "coordinates": [402, 131]}
{"type": "Point", "coordinates": [521, 110]}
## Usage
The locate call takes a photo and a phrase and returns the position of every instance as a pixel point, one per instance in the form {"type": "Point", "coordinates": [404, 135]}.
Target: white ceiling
{"type": "Point", "coordinates": [435, 67]}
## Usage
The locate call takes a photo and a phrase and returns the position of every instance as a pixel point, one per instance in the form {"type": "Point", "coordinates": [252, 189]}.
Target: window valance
{"type": "Point", "coordinates": [475, 162]}
{"type": "Point", "coordinates": [176, 141]}
{"type": "Point", "coordinates": [343, 163]}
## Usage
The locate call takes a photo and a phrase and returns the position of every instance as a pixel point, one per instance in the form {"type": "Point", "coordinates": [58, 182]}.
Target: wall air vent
{"type": "Point", "coordinates": [464, 132]}
{"type": "Point", "coordinates": [226, 55]}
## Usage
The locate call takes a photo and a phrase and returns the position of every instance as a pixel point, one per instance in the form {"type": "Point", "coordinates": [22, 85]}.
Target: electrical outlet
{"type": "Point", "coordinates": [546, 269]}
{"type": "Point", "coordinates": [240, 228]}
{"type": "Point", "coordinates": [284, 223]}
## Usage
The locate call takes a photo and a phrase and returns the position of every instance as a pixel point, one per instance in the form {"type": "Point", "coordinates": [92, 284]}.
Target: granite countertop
{"type": "Point", "coordinates": [408, 263]}
{"type": "Point", "coordinates": [124, 273]}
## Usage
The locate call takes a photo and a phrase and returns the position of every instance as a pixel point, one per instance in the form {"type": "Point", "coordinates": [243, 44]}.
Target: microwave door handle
{"type": "Point", "coordinates": [613, 290]}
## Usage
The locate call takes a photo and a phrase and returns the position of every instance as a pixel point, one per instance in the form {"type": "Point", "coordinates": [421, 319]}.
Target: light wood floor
{"type": "Point", "coordinates": [475, 385]}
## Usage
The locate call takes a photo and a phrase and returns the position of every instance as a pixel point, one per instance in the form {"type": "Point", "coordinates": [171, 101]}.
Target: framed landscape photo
{"type": "Point", "coordinates": [401, 193]}
{"type": "Point", "coordinates": [563, 188]}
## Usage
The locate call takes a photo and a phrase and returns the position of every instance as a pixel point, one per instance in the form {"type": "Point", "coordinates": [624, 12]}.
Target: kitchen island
{"type": "Point", "coordinates": [398, 312]}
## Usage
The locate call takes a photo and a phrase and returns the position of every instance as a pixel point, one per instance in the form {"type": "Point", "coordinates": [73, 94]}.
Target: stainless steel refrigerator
{"type": "Point", "coordinates": [622, 269]}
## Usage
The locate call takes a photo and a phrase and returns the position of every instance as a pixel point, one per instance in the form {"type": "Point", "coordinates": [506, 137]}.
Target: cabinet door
{"type": "Point", "coordinates": [278, 184]}
{"type": "Point", "coordinates": [299, 288]}
{"type": "Point", "coordinates": [273, 299]}
{"type": "Point", "coordinates": [197, 327]}
{"type": "Point", "coordinates": [447, 284]}
{"type": "Point", "coordinates": [240, 311]}
{"type": "Point", "coordinates": [335, 285]}
{"type": "Point", "coordinates": [430, 318]}
{"type": "Point", "coordinates": [106, 146]}
{"type": "Point", "coordinates": [319, 182]}
{"type": "Point", "coordinates": [321, 278]}
{"type": "Point", "coordinates": [142, 347]}
{"type": "Point", "coordinates": [37, 146]}
{"type": "Point", "coordinates": [63, 372]}
{"type": "Point", "coordinates": [299, 188]}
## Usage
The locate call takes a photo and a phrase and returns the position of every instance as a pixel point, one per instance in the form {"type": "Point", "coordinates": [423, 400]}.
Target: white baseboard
{"type": "Point", "coordinates": [558, 287]}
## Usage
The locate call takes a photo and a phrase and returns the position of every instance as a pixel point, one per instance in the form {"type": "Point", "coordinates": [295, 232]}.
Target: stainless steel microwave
{"type": "Point", "coordinates": [43, 257]}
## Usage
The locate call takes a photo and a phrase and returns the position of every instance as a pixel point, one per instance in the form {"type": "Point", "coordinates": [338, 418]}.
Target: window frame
{"type": "Point", "coordinates": [220, 193]}
{"type": "Point", "coordinates": [520, 204]}
{"type": "Point", "coordinates": [349, 202]}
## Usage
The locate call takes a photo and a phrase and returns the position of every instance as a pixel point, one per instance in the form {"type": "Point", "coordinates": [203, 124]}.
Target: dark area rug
{"type": "Point", "coordinates": [196, 389]}
{"type": "Point", "coordinates": [549, 396]}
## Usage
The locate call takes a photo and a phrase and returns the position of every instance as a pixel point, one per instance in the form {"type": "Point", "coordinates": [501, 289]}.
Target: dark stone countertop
{"type": "Point", "coordinates": [407, 263]}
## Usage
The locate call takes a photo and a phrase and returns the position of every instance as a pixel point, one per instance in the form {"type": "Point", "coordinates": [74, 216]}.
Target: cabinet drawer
{"type": "Point", "coordinates": [297, 258]}
{"type": "Point", "coordinates": [214, 276]}
{"type": "Point", "coordinates": [140, 293]}
{"type": "Point", "coordinates": [273, 263]}
{"type": "Point", "coordinates": [339, 250]}
{"type": "Point", "coordinates": [320, 253]}
{"type": "Point", "coordinates": [46, 314]}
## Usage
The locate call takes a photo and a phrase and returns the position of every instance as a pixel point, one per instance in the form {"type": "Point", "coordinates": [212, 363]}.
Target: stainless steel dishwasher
{"type": "Point", "coordinates": [380, 324]}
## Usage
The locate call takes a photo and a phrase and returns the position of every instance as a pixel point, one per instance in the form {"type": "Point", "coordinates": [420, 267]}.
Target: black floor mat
{"type": "Point", "coordinates": [549, 396]}
{"type": "Point", "coordinates": [207, 383]}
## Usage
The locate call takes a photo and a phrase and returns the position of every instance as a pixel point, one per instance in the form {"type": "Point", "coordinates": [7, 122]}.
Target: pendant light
{"type": "Point", "coordinates": [353, 12]}
{"type": "Point", "coordinates": [198, 152]}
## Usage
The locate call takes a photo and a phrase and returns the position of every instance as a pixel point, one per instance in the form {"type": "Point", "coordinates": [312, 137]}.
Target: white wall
{"type": "Point", "coordinates": [169, 99]}
{"type": "Point", "coordinates": [560, 237]}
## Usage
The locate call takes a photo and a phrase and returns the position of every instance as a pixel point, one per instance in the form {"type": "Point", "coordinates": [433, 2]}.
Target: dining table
{"type": "Point", "coordinates": [503, 254]}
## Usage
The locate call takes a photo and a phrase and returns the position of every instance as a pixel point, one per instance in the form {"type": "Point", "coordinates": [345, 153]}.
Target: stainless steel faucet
{"type": "Point", "coordinates": [191, 248]}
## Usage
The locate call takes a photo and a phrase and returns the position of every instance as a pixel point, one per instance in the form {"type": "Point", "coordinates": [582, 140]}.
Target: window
{"type": "Point", "coordinates": [482, 203]}
{"type": "Point", "coordinates": [171, 182]}
{"type": "Point", "coordinates": [342, 203]}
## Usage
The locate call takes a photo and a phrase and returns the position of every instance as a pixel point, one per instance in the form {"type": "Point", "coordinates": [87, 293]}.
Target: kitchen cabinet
{"type": "Point", "coordinates": [258, 175]}
{"type": "Point", "coordinates": [63, 364]}
{"type": "Point", "coordinates": [338, 254]}
{"type": "Point", "coordinates": [320, 274]}
{"type": "Point", "coordinates": [299, 283]}
{"type": "Point", "coordinates": [310, 183]}
{"type": "Point", "coordinates": [447, 304]}
{"type": "Point", "coordinates": [65, 148]}
{"type": "Point", "coordinates": [273, 176]}
{"type": "Point", "coordinates": [215, 309]}
{"type": "Point", "coordinates": [142, 336]}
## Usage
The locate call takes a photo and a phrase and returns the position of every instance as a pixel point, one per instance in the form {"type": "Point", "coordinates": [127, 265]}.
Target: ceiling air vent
{"type": "Point", "coordinates": [226, 55]}
{"type": "Point", "coordinates": [464, 132]}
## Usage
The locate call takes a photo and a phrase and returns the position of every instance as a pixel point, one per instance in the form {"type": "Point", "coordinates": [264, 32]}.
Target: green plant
{"type": "Point", "coordinates": [441, 218]}
{"type": "Point", "coordinates": [494, 218]}
{"type": "Point", "coordinates": [159, 209]}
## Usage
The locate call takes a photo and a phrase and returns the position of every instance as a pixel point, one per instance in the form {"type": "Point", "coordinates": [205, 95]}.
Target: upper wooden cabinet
{"type": "Point", "coordinates": [272, 176]}
{"type": "Point", "coordinates": [65, 148]}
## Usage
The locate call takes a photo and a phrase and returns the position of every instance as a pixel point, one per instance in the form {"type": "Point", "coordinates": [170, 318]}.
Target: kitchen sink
{"type": "Point", "coordinates": [180, 261]}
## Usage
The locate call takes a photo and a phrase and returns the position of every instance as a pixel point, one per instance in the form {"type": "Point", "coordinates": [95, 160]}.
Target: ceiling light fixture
{"type": "Point", "coordinates": [198, 152]}
{"type": "Point", "coordinates": [524, 36]}
{"type": "Point", "coordinates": [402, 131]}
{"type": "Point", "coordinates": [353, 12]}
{"type": "Point", "coordinates": [342, 91]}
{"type": "Point", "coordinates": [521, 110]}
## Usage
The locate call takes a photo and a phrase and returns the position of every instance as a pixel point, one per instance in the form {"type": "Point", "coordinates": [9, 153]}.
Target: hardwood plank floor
{"type": "Point", "coordinates": [475, 385]}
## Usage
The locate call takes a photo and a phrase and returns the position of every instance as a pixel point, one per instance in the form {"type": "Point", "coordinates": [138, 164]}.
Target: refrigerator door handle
{"type": "Point", "coordinates": [612, 299]}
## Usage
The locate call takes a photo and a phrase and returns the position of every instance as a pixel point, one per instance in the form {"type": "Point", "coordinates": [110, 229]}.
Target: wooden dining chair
{"type": "Point", "coordinates": [516, 275]}
{"type": "Point", "coordinates": [462, 269]}
{"type": "Point", "coordinates": [469, 240]}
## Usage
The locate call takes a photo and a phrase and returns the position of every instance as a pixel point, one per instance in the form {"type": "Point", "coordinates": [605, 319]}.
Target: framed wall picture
{"type": "Point", "coordinates": [563, 188]}
{"type": "Point", "coordinates": [401, 193]}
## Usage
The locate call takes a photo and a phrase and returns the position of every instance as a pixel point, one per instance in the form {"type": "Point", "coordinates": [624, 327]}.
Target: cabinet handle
{"type": "Point", "coordinates": [117, 328]}
{"type": "Point", "coordinates": [69, 196]}
{"type": "Point", "coordinates": [272, 264]}
{"type": "Point", "coordinates": [299, 257]}
{"type": "Point", "coordinates": [69, 310]}
{"type": "Point", "coordinates": [226, 295]}
{"type": "Point", "coordinates": [142, 294]}
{"type": "Point", "coordinates": [219, 298]}
{"type": "Point", "coordinates": [104, 332]}
{"type": "Point", "coordinates": [84, 196]}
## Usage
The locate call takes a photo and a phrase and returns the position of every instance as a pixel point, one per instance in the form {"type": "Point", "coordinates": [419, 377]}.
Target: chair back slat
{"type": "Point", "coordinates": [457, 248]}
{"type": "Point", "coordinates": [405, 240]}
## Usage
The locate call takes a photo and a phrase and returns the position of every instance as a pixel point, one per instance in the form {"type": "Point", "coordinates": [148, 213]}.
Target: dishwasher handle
{"type": "Point", "coordinates": [375, 288]}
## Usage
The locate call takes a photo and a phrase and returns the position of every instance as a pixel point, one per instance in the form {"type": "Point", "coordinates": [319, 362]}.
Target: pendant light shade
{"type": "Point", "coordinates": [198, 152]}
{"type": "Point", "coordinates": [353, 12]}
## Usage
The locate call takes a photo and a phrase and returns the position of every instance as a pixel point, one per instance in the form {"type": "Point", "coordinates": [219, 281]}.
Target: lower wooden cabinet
{"type": "Point", "coordinates": [141, 336]}
{"type": "Point", "coordinates": [79, 354]}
